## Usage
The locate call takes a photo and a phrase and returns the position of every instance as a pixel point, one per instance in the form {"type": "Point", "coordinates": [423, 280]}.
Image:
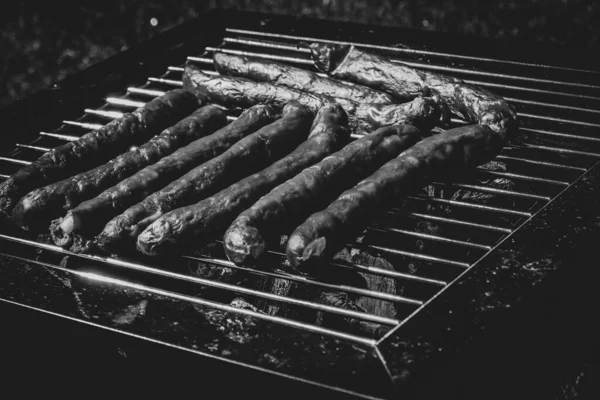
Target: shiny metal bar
{"type": "Point", "coordinates": [204, 60]}
{"type": "Point", "coordinates": [552, 105]}
{"type": "Point", "coordinates": [166, 81]}
{"type": "Point", "coordinates": [417, 256]}
{"type": "Point", "coordinates": [304, 279]}
{"type": "Point", "coordinates": [262, 55]}
{"type": "Point", "coordinates": [196, 300]}
{"type": "Point", "coordinates": [460, 222]}
{"type": "Point", "coordinates": [149, 92]}
{"type": "Point", "coordinates": [390, 274]}
{"type": "Point", "coordinates": [36, 148]}
{"type": "Point", "coordinates": [85, 125]}
{"type": "Point", "coordinates": [488, 189]}
{"type": "Point", "coordinates": [4, 176]}
{"type": "Point", "coordinates": [15, 161]}
{"type": "Point", "coordinates": [561, 120]}
{"type": "Point", "coordinates": [537, 162]}
{"type": "Point", "coordinates": [175, 69]}
{"type": "Point", "coordinates": [136, 266]}
{"type": "Point", "coordinates": [511, 175]}
{"type": "Point", "coordinates": [441, 239]}
{"type": "Point", "coordinates": [531, 90]}
{"type": "Point", "coordinates": [403, 49]}
{"type": "Point", "coordinates": [474, 206]}
{"type": "Point", "coordinates": [562, 150]}
{"type": "Point", "coordinates": [226, 286]}
{"type": "Point", "coordinates": [102, 113]}
{"type": "Point", "coordinates": [68, 138]}
{"type": "Point", "coordinates": [125, 102]}
{"type": "Point", "coordinates": [268, 45]}
{"type": "Point", "coordinates": [562, 135]}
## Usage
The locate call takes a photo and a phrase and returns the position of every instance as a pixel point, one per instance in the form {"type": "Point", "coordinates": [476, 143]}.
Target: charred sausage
{"type": "Point", "coordinates": [247, 156]}
{"type": "Point", "coordinates": [98, 146]}
{"type": "Point", "coordinates": [297, 78]}
{"type": "Point", "coordinates": [325, 232]}
{"type": "Point", "coordinates": [39, 207]}
{"type": "Point", "coordinates": [467, 101]}
{"type": "Point", "coordinates": [198, 223]}
{"type": "Point", "coordinates": [88, 218]}
{"type": "Point", "coordinates": [294, 200]}
{"type": "Point", "coordinates": [423, 112]}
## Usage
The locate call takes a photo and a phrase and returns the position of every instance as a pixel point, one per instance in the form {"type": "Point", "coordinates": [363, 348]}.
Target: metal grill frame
{"type": "Point", "coordinates": [415, 337]}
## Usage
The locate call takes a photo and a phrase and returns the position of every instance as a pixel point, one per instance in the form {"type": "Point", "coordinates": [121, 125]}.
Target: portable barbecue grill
{"type": "Point", "coordinates": [492, 287]}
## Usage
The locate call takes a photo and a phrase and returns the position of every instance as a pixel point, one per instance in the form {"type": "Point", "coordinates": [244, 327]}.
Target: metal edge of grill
{"type": "Point", "coordinates": [566, 167]}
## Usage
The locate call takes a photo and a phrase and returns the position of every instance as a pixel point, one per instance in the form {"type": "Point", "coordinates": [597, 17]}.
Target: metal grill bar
{"type": "Point", "coordinates": [537, 162]}
{"type": "Point", "coordinates": [207, 303]}
{"type": "Point", "coordinates": [36, 148]}
{"type": "Point", "coordinates": [561, 120]}
{"type": "Point", "coordinates": [442, 239]}
{"type": "Point", "coordinates": [552, 105]}
{"type": "Point", "coordinates": [69, 138]}
{"type": "Point", "coordinates": [221, 285]}
{"type": "Point", "coordinates": [414, 64]}
{"type": "Point", "coordinates": [564, 135]}
{"type": "Point", "coordinates": [85, 125]}
{"type": "Point", "coordinates": [532, 90]}
{"type": "Point", "coordinates": [148, 92]}
{"type": "Point", "coordinates": [417, 256]}
{"type": "Point", "coordinates": [4, 176]}
{"type": "Point", "coordinates": [166, 81]}
{"type": "Point", "coordinates": [489, 189]}
{"type": "Point", "coordinates": [308, 280]}
{"type": "Point", "coordinates": [402, 50]}
{"type": "Point", "coordinates": [391, 274]}
{"type": "Point", "coordinates": [124, 102]}
{"type": "Point", "coordinates": [461, 222]}
{"type": "Point", "coordinates": [473, 205]}
{"type": "Point", "coordinates": [15, 161]}
{"type": "Point", "coordinates": [561, 150]}
{"type": "Point", "coordinates": [102, 113]}
{"type": "Point", "coordinates": [520, 176]}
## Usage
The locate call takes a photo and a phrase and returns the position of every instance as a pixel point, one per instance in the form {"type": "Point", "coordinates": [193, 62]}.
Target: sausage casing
{"type": "Point", "coordinates": [89, 217]}
{"type": "Point", "coordinates": [97, 147]}
{"type": "Point", "coordinates": [325, 232]}
{"type": "Point", "coordinates": [39, 207]}
{"type": "Point", "coordinates": [198, 223]}
{"type": "Point", "coordinates": [246, 239]}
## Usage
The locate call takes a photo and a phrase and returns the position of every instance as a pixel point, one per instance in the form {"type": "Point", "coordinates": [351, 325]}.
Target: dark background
{"type": "Point", "coordinates": [42, 42]}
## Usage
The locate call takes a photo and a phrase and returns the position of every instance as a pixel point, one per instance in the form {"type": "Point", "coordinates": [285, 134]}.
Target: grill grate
{"type": "Point", "coordinates": [475, 214]}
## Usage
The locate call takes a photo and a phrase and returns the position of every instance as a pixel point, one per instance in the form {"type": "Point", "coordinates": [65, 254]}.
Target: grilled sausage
{"type": "Point", "coordinates": [97, 147]}
{"type": "Point", "coordinates": [39, 207]}
{"type": "Point", "coordinates": [467, 101]}
{"type": "Point", "coordinates": [325, 232]}
{"type": "Point", "coordinates": [247, 156]}
{"type": "Point", "coordinates": [241, 92]}
{"type": "Point", "coordinates": [297, 78]}
{"type": "Point", "coordinates": [294, 200]}
{"type": "Point", "coordinates": [198, 222]}
{"type": "Point", "coordinates": [88, 218]}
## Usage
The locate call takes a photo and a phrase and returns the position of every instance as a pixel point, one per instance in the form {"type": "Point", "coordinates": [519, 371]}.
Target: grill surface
{"type": "Point", "coordinates": [407, 259]}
